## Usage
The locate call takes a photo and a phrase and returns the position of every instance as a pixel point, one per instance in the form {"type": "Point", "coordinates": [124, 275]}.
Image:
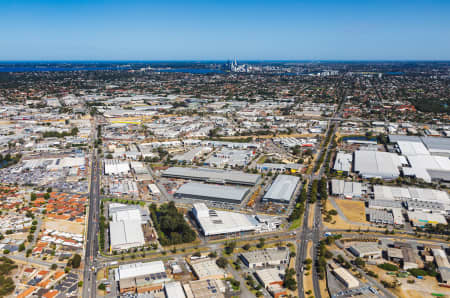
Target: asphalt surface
{"type": "Point", "coordinates": [91, 248]}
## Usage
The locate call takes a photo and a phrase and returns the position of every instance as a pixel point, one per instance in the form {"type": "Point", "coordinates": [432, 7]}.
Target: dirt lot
{"type": "Point", "coordinates": [63, 226]}
{"type": "Point", "coordinates": [353, 210]}
{"type": "Point", "coordinates": [307, 279]}
{"type": "Point", "coordinates": [420, 288]}
{"type": "Point", "coordinates": [339, 222]}
{"type": "Point", "coordinates": [311, 215]}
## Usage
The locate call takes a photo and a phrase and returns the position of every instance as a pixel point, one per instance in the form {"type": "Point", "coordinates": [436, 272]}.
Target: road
{"type": "Point", "coordinates": [91, 248]}
{"type": "Point", "coordinates": [314, 234]}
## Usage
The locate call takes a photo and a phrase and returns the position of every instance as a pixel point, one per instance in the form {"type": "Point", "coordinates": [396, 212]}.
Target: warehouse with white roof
{"type": "Point", "coordinates": [376, 164]}
{"type": "Point", "coordinates": [116, 167]}
{"type": "Point", "coordinates": [343, 162]}
{"type": "Point", "coordinates": [222, 223]}
{"type": "Point", "coordinates": [282, 189]}
{"type": "Point", "coordinates": [125, 227]}
{"type": "Point", "coordinates": [346, 189]}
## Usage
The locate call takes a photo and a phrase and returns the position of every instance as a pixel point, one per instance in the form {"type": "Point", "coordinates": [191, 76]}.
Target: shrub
{"type": "Point", "coordinates": [388, 267]}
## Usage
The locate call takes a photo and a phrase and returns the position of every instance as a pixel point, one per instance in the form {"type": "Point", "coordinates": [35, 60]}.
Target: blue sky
{"type": "Point", "coordinates": [219, 30]}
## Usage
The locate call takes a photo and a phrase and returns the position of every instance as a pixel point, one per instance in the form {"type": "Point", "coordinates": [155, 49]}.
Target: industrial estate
{"type": "Point", "coordinates": [192, 180]}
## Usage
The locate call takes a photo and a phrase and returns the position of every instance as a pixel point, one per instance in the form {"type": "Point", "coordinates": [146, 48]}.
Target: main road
{"type": "Point", "coordinates": [91, 247]}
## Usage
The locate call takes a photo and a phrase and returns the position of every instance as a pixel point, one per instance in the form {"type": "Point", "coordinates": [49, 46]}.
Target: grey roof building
{"type": "Point", "coordinates": [266, 257]}
{"type": "Point", "coordinates": [211, 192]}
{"type": "Point", "coordinates": [346, 188]}
{"type": "Point", "coordinates": [343, 162]}
{"type": "Point", "coordinates": [212, 175]}
{"type": "Point", "coordinates": [282, 189]}
{"type": "Point", "coordinates": [380, 216]}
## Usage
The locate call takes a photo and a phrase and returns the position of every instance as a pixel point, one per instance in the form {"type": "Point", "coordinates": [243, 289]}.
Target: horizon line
{"type": "Point", "coordinates": [226, 60]}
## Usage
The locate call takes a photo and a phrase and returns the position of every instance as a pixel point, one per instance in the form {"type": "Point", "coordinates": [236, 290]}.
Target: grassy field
{"type": "Point", "coordinates": [296, 224]}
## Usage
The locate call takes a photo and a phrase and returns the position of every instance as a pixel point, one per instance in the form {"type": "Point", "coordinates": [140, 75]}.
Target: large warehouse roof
{"type": "Point", "coordinates": [422, 166]}
{"type": "Point", "coordinates": [412, 148]}
{"type": "Point", "coordinates": [382, 192]}
{"type": "Point", "coordinates": [197, 190]}
{"type": "Point", "coordinates": [215, 222]}
{"type": "Point", "coordinates": [212, 175]}
{"type": "Point", "coordinates": [140, 269]}
{"type": "Point", "coordinates": [282, 188]}
{"type": "Point", "coordinates": [376, 164]}
{"type": "Point", "coordinates": [346, 188]}
{"type": "Point", "coordinates": [126, 234]}
{"type": "Point", "coordinates": [435, 145]}
{"type": "Point", "coordinates": [343, 162]}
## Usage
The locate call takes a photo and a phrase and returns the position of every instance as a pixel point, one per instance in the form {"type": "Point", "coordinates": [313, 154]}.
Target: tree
{"type": "Point", "coordinates": [53, 266]}
{"type": "Point", "coordinates": [32, 196]}
{"type": "Point", "coordinates": [261, 243]}
{"type": "Point", "coordinates": [21, 247]}
{"type": "Point", "coordinates": [222, 262]}
{"type": "Point", "coordinates": [289, 281]}
{"type": "Point", "coordinates": [102, 287]}
{"type": "Point", "coordinates": [360, 262]}
{"type": "Point", "coordinates": [229, 247]}
{"type": "Point", "coordinates": [76, 261]}
{"type": "Point", "coordinates": [246, 246]}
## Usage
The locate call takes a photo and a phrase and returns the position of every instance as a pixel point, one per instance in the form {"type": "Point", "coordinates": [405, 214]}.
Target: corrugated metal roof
{"type": "Point", "coordinates": [207, 174]}
{"type": "Point", "coordinates": [282, 188]}
{"type": "Point", "coordinates": [213, 191]}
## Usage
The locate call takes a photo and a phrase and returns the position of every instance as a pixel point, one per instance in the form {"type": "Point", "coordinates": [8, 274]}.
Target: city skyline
{"type": "Point", "coordinates": [202, 31]}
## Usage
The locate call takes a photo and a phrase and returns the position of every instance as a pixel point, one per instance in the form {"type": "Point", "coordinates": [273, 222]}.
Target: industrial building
{"type": "Point", "coordinates": [141, 277]}
{"type": "Point", "coordinates": [153, 189]}
{"type": "Point", "coordinates": [376, 164]}
{"type": "Point", "coordinates": [282, 189]}
{"type": "Point", "coordinates": [192, 154]}
{"type": "Point", "coordinates": [230, 157]}
{"type": "Point", "coordinates": [378, 216]}
{"type": "Point", "coordinates": [207, 269]}
{"type": "Point", "coordinates": [272, 281]}
{"type": "Point", "coordinates": [346, 278]}
{"type": "Point", "coordinates": [346, 189]}
{"type": "Point", "coordinates": [366, 250]}
{"type": "Point", "coordinates": [125, 227]}
{"type": "Point", "coordinates": [212, 175]}
{"type": "Point", "coordinates": [410, 194]}
{"type": "Point", "coordinates": [412, 148]}
{"type": "Point", "coordinates": [116, 167]}
{"type": "Point", "coordinates": [420, 219]}
{"type": "Point", "coordinates": [279, 167]}
{"type": "Point", "coordinates": [384, 204]}
{"type": "Point", "coordinates": [343, 163]}
{"type": "Point", "coordinates": [443, 265]}
{"type": "Point", "coordinates": [428, 167]}
{"type": "Point", "coordinates": [215, 223]}
{"type": "Point", "coordinates": [266, 257]}
{"type": "Point", "coordinates": [424, 206]}
{"type": "Point", "coordinates": [211, 192]}
{"type": "Point", "coordinates": [207, 288]}
{"type": "Point", "coordinates": [174, 290]}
